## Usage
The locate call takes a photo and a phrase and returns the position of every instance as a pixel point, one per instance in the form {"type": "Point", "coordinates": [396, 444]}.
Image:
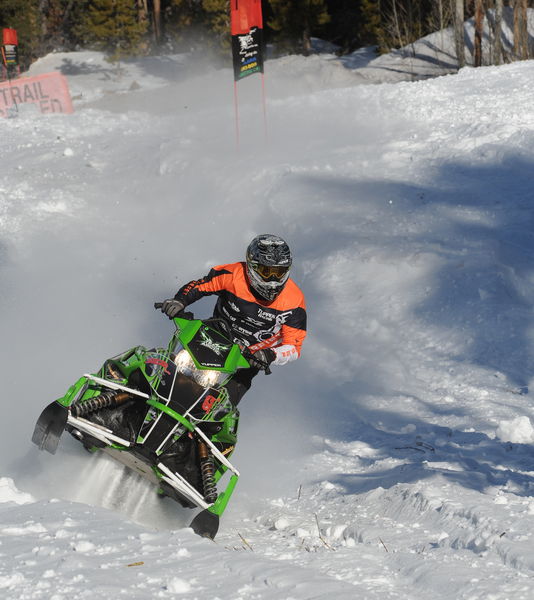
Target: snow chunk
{"type": "Point", "coordinates": [9, 493]}
{"type": "Point", "coordinates": [84, 546]}
{"type": "Point", "coordinates": [51, 208]}
{"type": "Point", "coordinates": [178, 586]}
{"type": "Point", "coordinates": [27, 529]}
{"type": "Point", "coordinates": [10, 581]}
{"type": "Point", "coordinates": [517, 431]}
{"type": "Point", "coordinates": [281, 523]}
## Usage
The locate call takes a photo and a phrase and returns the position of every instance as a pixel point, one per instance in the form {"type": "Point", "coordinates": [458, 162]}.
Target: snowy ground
{"type": "Point", "coordinates": [394, 460]}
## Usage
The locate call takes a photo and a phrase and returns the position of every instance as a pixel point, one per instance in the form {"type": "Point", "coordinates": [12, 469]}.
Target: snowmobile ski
{"type": "Point", "coordinates": [50, 426]}
{"type": "Point", "coordinates": [205, 524]}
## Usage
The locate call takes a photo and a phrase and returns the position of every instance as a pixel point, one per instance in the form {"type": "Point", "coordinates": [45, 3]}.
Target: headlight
{"type": "Point", "coordinates": [206, 378]}
{"type": "Point", "coordinates": [184, 362]}
{"type": "Point", "coordinates": [209, 378]}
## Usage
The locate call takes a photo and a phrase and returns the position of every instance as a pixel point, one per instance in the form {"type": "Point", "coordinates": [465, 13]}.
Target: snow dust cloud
{"type": "Point", "coordinates": [406, 423]}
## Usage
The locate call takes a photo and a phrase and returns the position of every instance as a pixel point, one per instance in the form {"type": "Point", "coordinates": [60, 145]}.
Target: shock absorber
{"type": "Point", "coordinates": [108, 399]}
{"type": "Point", "coordinates": [207, 470]}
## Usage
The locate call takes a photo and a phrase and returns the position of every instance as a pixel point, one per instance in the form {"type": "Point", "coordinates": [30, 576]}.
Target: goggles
{"type": "Point", "coordinates": [270, 272]}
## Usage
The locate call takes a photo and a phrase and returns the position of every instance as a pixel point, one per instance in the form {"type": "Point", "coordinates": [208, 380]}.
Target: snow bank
{"type": "Point", "coordinates": [371, 466]}
{"type": "Point", "coordinates": [517, 431]}
{"type": "Point", "coordinates": [9, 493]}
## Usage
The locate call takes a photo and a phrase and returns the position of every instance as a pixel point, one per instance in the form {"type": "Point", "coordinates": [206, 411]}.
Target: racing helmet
{"type": "Point", "coordinates": [268, 262]}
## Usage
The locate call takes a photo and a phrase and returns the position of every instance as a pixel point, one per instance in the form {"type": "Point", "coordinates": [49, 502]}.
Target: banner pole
{"type": "Point", "coordinates": [9, 79]}
{"type": "Point", "coordinates": [236, 108]}
{"type": "Point", "coordinates": [264, 103]}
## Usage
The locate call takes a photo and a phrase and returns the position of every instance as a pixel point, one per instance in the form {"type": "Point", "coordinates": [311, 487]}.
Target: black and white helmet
{"type": "Point", "coordinates": [268, 264]}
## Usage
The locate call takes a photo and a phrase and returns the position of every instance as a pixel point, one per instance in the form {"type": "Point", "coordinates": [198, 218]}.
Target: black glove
{"type": "Point", "coordinates": [261, 359]}
{"type": "Point", "coordinates": [172, 307]}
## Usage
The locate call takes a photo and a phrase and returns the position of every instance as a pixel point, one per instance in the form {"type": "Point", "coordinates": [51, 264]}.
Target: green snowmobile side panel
{"type": "Point", "coordinates": [221, 503]}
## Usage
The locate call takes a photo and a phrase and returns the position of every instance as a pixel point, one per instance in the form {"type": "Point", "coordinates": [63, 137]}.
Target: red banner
{"type": "Point", "coordinates": [246, 24]}
{"type": "Point", "coordinates": [50, 92]}
{"type": "Point", "coordinates": [244, 15]}
{"type": "Point", "coordinates": [9, 36]}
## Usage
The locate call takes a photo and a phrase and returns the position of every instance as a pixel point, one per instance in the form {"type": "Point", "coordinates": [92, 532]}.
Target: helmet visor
{"type": "Point", "coordinates": [270, 272]}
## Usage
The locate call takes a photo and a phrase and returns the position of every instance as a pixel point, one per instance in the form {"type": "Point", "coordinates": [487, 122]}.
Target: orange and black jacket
{"type": "Point", "coordinates": [280, 325]}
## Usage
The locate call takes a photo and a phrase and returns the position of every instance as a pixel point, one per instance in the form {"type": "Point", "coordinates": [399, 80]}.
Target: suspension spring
{"type": "Point", "coordinates": [109, 399]}
{"type": "Point", "coordinates": [207, 470]}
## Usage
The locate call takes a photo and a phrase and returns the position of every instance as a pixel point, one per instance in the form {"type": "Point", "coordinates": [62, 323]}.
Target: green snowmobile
{"type": "Point", "coordinates": [165, 413]}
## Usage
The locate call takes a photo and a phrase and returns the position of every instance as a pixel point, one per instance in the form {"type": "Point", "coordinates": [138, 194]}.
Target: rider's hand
{"type": "Point", "coordinates": [172, 307]}
{"type": "Point", "coordinates": [261, 359]}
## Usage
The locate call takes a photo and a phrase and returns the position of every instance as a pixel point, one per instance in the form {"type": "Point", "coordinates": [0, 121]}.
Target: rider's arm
{"type": "Point", "coordinates": [293, 334]}
{"type": "Point", "coordinates": [215, 281]}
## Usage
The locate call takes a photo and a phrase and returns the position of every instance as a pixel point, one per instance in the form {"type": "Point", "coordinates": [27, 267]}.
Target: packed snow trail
{"type": "Point", "coordinates": [394, 459]}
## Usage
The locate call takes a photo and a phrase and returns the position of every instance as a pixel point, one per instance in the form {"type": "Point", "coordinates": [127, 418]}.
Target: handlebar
{"type": "Point", "coordinates": [183, 315]}
{"type": "Point", "coordinates": [248, 355]}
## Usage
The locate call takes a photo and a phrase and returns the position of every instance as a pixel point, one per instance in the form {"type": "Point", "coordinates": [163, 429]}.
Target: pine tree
{"type": "Point", "coordinates": [53, 15]}
{"type": "Point", "coordinates": [295, 22]}
{"type": "Point", "coordinates": [372, 21]}
{"type": "Point", "coordinates": [345, 27]}
{"type": "Point", "coordinates": [185, 22]}
{"type": "Point", "coordinates": [113, 26]}
{"type": "Point", "coordinates": [218, 21]}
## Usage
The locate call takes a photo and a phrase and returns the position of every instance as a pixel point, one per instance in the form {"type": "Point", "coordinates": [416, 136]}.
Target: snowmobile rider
{"type": "Point", "coordinates": [265, 309]}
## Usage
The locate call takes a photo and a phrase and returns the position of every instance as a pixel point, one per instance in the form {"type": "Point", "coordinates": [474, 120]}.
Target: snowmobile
{"type": "Point", "coordinates": [164, 413]}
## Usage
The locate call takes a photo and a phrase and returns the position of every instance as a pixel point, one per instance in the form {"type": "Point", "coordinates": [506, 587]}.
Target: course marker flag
{"type": "Point", "coordinates": [246, 24]}
{"type": "Point", "coordinates": [10, 56]}
{"type": "Point", "coordinates": [50, 92]}
{"type": "Point", "coordinates": [246, 27]}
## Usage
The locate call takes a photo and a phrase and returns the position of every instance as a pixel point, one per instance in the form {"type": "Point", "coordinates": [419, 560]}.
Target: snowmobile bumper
{"type": "Point", "coordinates": [97, 431]}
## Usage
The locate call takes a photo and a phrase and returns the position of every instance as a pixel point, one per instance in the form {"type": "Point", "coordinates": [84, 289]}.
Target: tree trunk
{"type": "Point", "coordinates": [397, 24]}
{"type": "Point", "coordinates": [68, 10]}
{"type": "Point", "coordinates": [524, 29]}
{"type": "Point", "coordinates": [42, 9]}
{"type": "Point", "coordinates": [497, 42]}
{"type": "Point", "coordinates": [306, 42]}
{"type": "Point", "coordinates": [520, 30]}
{"type": "Point", "coordinates": [459, 32]}
{"type": "Point", "coordinates": [479, 29]}
{"type": "Point", "coordinates": [142, 10]}
{"type": "Point", "coordinates": [517, 26]}
{"type": "Point", "coordinates": [157, 21]}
